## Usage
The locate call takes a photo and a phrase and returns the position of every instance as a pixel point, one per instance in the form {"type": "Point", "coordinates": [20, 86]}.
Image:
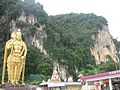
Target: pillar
{"type": "Point", "coordinates": [110, 84]}
{"type": "Point", "coordinates": [86, 86]}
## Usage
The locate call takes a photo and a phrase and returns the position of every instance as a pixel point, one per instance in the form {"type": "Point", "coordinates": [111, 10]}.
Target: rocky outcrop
{"type": "Point", "coordinates": [38, 39]}
{"type": "Point", "coordinates": [36, 36]}
{"type": "Point", "coordinates": [27, 18]}
{"type": "Point", "coordinates": [104, 46]}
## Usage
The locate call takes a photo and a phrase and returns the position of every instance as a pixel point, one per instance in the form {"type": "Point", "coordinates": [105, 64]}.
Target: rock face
{"type": "Point", "coordinates": [35, 37]}
{"type": "Point", "coordinates": [37, 40]}
{"type": "Point", "coordinates": [28, 18]}
{"type": "Point", "coordinates": [104, 46]}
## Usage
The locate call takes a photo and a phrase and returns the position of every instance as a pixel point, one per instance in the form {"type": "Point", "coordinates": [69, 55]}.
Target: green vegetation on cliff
{"type": "Point", "coordinates": [70, 39]}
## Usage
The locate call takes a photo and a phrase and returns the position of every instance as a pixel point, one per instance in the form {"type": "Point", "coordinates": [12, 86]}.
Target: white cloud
{"type": "Point", "coordinates": [106, 8]}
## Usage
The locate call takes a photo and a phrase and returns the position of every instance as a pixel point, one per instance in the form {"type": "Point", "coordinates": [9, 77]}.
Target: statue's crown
{"type": "Point", "coordinates": [18, 30]}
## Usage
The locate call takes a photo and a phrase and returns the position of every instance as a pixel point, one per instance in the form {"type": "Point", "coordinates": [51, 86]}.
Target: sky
{"type": "Point", "coordinates": [110, 9]}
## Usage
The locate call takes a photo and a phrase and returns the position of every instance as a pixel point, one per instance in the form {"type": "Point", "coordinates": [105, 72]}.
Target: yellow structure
{"type": "Point", "coordinates": [73, 87]}
{"type": "Point", "coordinates": [60, 86]}
{"type": "Point", "coordinates": [16, 59]}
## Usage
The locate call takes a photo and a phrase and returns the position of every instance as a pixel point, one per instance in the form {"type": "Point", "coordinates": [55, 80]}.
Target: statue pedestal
{"type": "Point", "coordinates": [9, 86]}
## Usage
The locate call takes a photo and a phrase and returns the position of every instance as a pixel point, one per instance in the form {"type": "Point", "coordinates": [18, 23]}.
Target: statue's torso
{"type": "Point", "coordinates": [17, 48]}
{"type": "Point", "coordinates": [16, 52]}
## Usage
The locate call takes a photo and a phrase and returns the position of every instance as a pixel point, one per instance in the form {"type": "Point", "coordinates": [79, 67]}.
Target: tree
{"type": "Point", "coordinates": [37, 64]}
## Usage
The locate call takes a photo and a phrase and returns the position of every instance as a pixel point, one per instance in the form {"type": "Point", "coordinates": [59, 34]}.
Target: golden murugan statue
{"type": "Point", "coordinates": [16, 59]}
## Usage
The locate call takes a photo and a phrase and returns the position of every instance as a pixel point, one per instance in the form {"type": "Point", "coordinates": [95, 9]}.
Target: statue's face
{"type": "Point", "coordinates": [13, 35]}
{"type": "Point", "coordinates": [18, 37]}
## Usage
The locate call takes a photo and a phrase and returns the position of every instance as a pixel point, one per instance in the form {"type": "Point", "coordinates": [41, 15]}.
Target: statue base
{"type": "Point", "coordinates": [10, 86]}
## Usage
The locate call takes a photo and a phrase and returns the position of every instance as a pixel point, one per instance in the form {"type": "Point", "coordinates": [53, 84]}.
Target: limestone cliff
{"type": "Point", "coordinates": [104, 46]}
{"type": "Point", "coordinates": [33, 34]}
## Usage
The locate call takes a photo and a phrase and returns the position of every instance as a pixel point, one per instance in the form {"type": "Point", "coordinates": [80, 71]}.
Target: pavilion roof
{"type": "Point", "coordinates": [100, 75]}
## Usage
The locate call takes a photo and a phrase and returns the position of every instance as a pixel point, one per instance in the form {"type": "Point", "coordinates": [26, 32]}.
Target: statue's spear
{"type": "Point", "coordinates": [23, 71]}
{"type": "Point", "coordinates": [4, 65]}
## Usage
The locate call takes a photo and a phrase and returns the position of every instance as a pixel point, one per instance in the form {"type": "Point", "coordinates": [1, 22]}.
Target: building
{"type": "Point", "coordinates": [102, 81]}
{"type": "Point", "coordinates": [60, 86]}
{"type": "Point", "coordinates": [55, 83]}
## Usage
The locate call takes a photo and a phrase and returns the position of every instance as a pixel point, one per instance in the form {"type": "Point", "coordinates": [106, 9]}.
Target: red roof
{"type": "Point", "coordinates": [100, 75]}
